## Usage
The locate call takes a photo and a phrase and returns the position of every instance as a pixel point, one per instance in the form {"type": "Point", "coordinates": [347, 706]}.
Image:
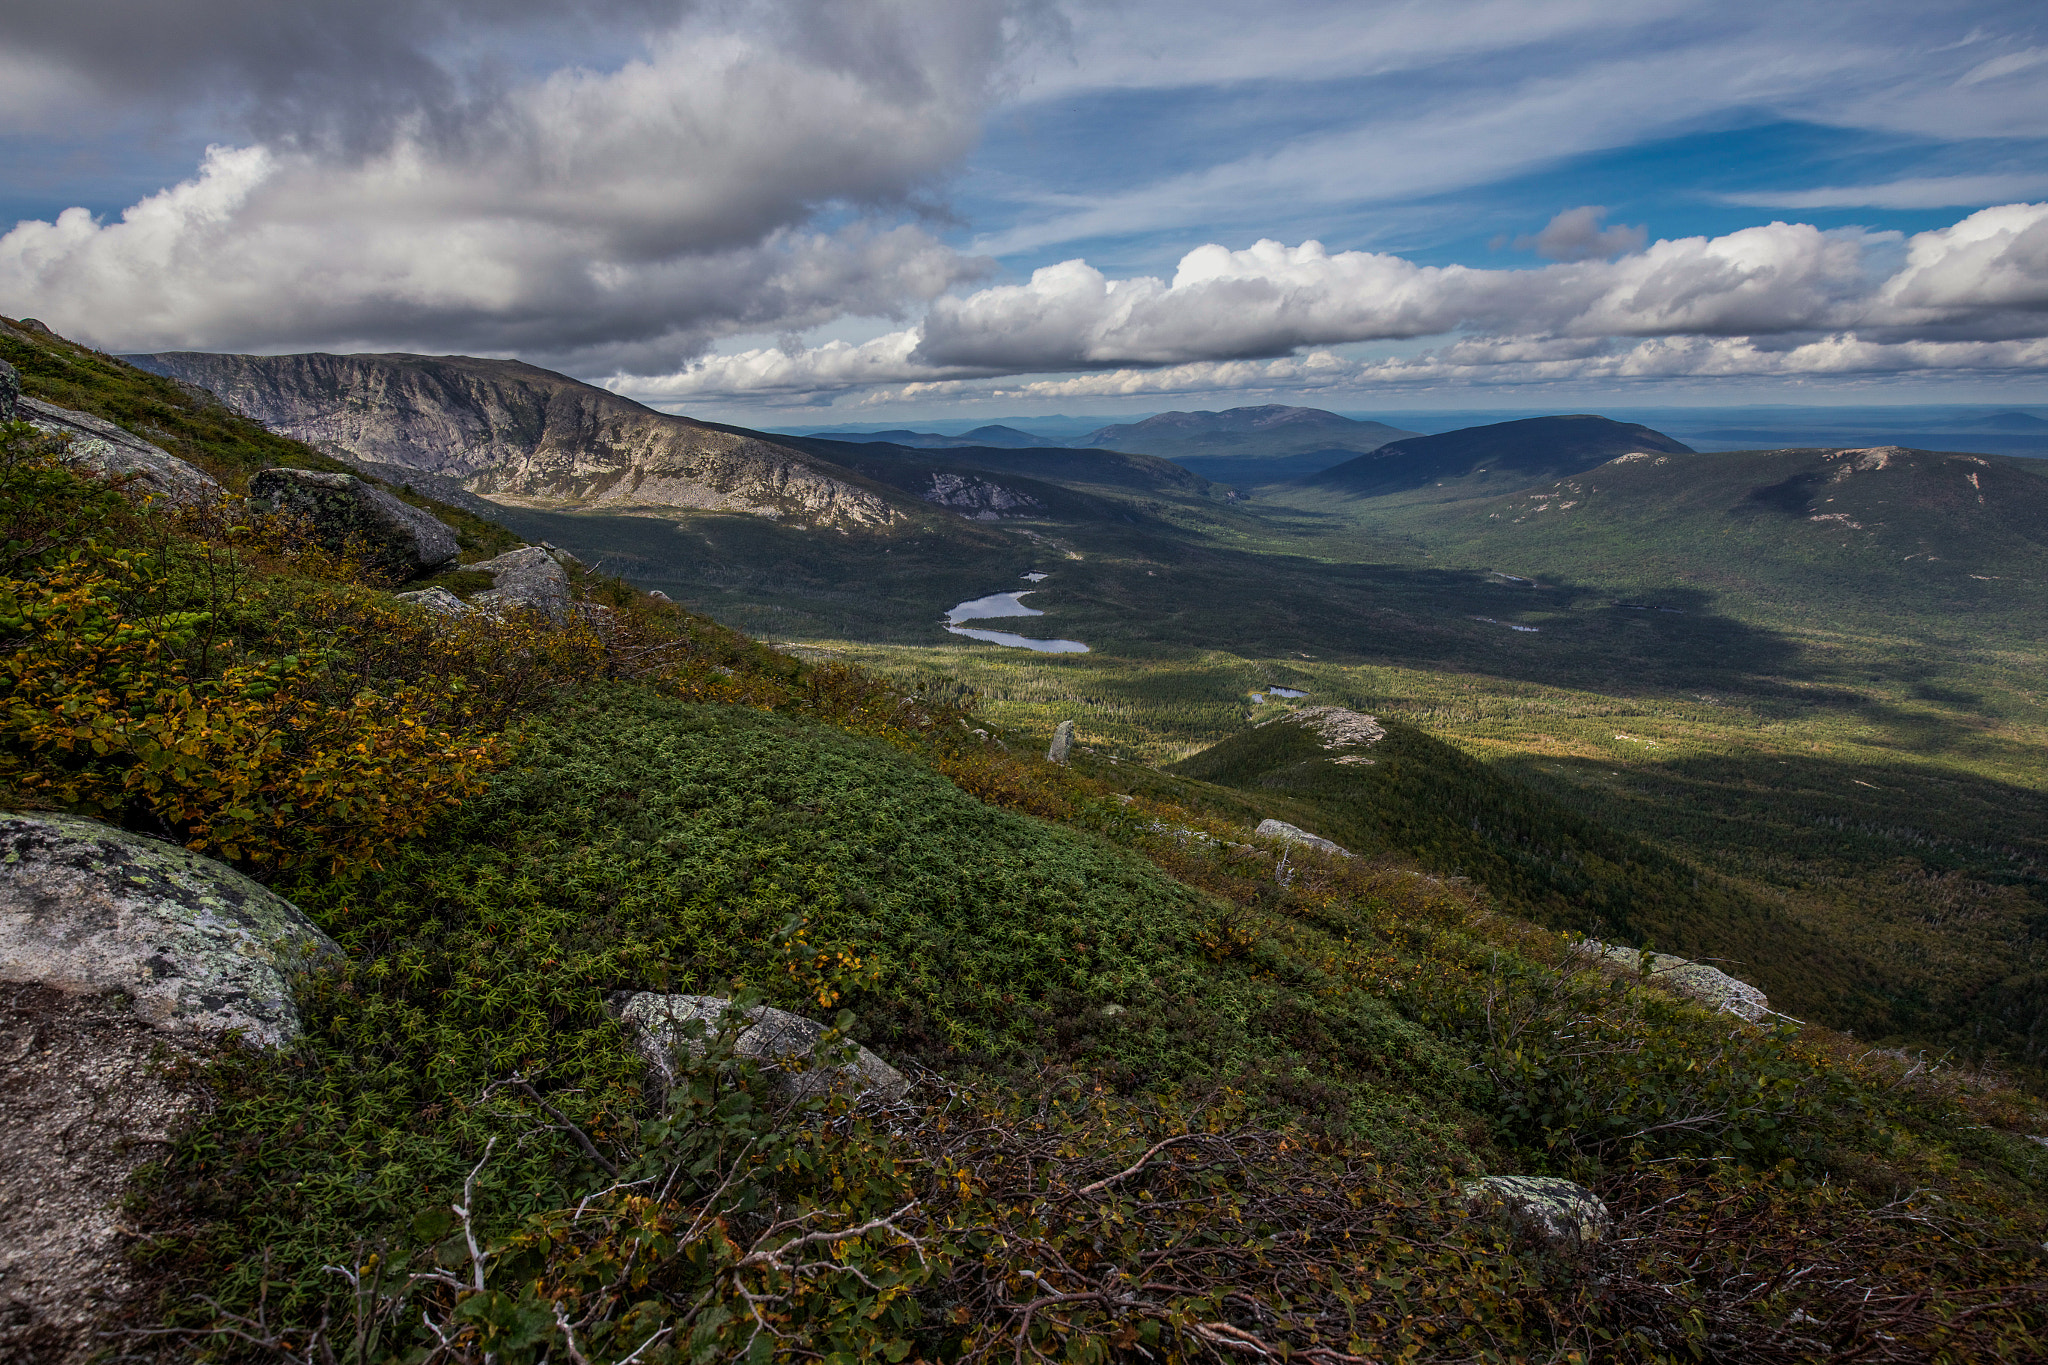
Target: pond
{"type": "Point", "coordinates": [1000, 604]}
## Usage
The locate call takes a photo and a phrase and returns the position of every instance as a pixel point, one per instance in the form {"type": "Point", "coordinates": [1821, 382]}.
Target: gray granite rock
{"type": "Point", "coordinates": [1558, 1213]}
{"type": "Point", "coordinates": [529, 578]}
{"type": "Point", "coordinates": [438, 600]}
{"type": "Point", "coordinates": [106, 450]}
{"type": "Point", "coordinates": [86, 908]}
{"type": "Point", "coordinates": [1709, 986]}
{"type": "Point", "coordinates": [348, 515]}
{"type": "Point", "coordinates": [771, 1035]}
{"type": "Point", "coordinates": [10, 392]}
{"type": "Point", "coordinates": [1062, 742]}
{"type": "Point", "coordinates": [1280, 829]}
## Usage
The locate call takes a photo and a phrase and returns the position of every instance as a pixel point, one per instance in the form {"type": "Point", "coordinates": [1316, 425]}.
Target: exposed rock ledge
{"type": "Point", "coordinates": [1694, 980]}
{"type": "Point", "coordinates": [118, 949]}
{"type": "Point", "coordinates": [108, 451]}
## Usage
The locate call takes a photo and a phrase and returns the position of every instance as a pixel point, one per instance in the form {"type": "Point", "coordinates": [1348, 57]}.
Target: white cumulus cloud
{"type": "Point", "coordinates": [1777, 298]}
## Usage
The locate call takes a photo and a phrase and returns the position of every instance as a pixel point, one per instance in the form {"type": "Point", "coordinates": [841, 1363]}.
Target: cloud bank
{"type": "Point", "coordinates": [1784, 298]}
{"type": "Point", "coordinates": [764, 175]}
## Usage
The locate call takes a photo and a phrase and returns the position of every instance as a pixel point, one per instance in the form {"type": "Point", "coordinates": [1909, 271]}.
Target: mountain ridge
{"type": "Point", "coordinates": [520, 435]}
{"type": "Point", "coordinates": [1530, 449]}
{"type": "Point", "coordinates": [1270, 431]}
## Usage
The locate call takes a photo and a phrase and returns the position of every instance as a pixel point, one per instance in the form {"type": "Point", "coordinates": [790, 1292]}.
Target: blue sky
{"type": "Point", "coordinates": [780, 212]}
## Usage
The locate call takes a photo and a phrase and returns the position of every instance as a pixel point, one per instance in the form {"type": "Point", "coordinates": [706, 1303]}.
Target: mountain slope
{"type": "Point", "coordinates": [1008, 438]}
{"type": "Point", "coordinates": [1523, 451]}
{"type": "Point", "coordinates": [1876, 532]}
{"type": "Point", "coordinates": [1410, 795]}
{"type": "Point", "coordinates": [524, 436]}
{"type": "Point", "coordinates": [1269, 432]}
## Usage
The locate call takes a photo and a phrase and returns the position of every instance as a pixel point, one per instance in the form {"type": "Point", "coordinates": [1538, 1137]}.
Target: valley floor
{"type": "Point", "coordinates": [1879, 780]}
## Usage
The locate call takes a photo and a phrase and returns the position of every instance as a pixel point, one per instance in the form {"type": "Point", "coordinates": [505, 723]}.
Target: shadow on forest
{"type": "Point", "coordinates": [1152, 591]}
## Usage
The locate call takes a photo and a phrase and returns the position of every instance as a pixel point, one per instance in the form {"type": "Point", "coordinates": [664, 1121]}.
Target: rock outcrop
{"type": "Point", "coordinates": [978, 498]}
{"type": "Point", "coordinates": [118, 949]}
{"type": "Point", "coordinates": [86, 1103]}
{"type": "Point", "coordinates": [1280, 829]}
{"type": "Point", "coordinates": [524, 436]}
{"type": "Point", "coordinates": [10, 392]}
{"type": "Point", "coordinates": [1336, 727]}
{"type": "Point", "coordinates": [1558, 1213]}
{"type": "Point", "coordinates": [772, 1036]}
{"type": "Point", "coordinates": [438, 600]}
{"type": "Point", "coordinates": [1710, 986]}
{"type": "Point", "coordinates": [112, 453]}
{"type": "Point", "coordinates": [197, 948]}
{"type": "Point", "coordinates": [528, 578]}
{"type": "Point", "coordinates": [1062, 742]}
{"type": "Point", "coordinates": [396, 539]}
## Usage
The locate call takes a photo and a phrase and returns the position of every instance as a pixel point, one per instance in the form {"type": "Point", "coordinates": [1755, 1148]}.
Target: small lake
{"type": "Point", "coordinates": [1277, 692]}
{"type": "Point", "coordinates": [1001, 604]}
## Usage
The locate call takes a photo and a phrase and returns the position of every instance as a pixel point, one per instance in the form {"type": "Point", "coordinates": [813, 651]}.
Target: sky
{"type": "Point", "coordinates": [777, 212]}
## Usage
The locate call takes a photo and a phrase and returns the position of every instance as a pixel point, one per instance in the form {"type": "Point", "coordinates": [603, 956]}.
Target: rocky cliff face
{"type": "Point", "coordinates": [518, 434]}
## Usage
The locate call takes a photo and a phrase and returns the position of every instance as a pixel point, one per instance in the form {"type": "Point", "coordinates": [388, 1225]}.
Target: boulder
{"type": "Point", "coordinates": [87, 1102]}
{"type": "Point", "coordinates": [438, 600]}
{"type": "Point", "coordinates": [771, 1035]}
{"type": "Point", "coordinates": [1558, 1213]}
{"type": "Point", "coordinates": [10, 392]}
{"type": "Point", "coordinates": [528, 578]}
{"type": "Point", "coordinates": [104, 449]}
{"type": "Point", "coordinates": [1280, 829]}
{"type": "Point", "coordinates": [196, 947]}
{"type": "Point", "coordinates": [1697, 981]}
{"type": "Point", "coordinates": [1062, 742]}
{"type": "Point", "coordinates": [350, 516]}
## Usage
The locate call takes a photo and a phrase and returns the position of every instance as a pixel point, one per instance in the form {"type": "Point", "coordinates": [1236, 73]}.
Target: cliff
{"type": "Point", "coordinates": [524, 436]}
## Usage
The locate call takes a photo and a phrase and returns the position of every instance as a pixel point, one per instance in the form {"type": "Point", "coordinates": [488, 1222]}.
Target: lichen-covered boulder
{"type": "Point", "coordinates": [771, 1036]}
{"type": "Point", "coordinates": [528, 578]}
{"type": "Point", "coordinates": [438, 600]}
{"type": "Point", "coordinates": [348, 515]}
{"type": "Point", "coordinates": [104, 449]}
{"type": "Point", "coordinates": [1558, 1213]}
{"type": "Point", "coordinates": [1280, 829]}
{"type": "Point", "coordinates": [1062, 742]}
{"type": "Point", "coordinates": [88, 909]}
{"type": "Point", "coordinates": [1710, 986]}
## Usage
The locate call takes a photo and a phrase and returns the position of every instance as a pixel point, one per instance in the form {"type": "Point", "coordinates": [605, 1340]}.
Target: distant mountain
{"type": "Point", "coordinates": [1008, 438]}
{"type": "Point", "coordinates": [1523, 452]}
{"type": "Point", "coordinates": [2024, 422]}
{"type": "Point", "coordinates": [1269, 432]}
{"type": "Point", "coordinates": [1880, 532]}
{"type": "Point", "coordinates": [523, 436]}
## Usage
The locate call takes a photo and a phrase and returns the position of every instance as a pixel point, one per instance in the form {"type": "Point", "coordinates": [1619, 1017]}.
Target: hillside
{"type": "Point", "coordinates": [1412, 796]}
{"type": "Point", "coordinates": [1877, 532]}
{"type": "Point", "coordinates": [1132, 1031]}
{"type": "Point", "coordinates": [521, 435]}
{"type": "Point", "coordinates": [1503, 453]}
